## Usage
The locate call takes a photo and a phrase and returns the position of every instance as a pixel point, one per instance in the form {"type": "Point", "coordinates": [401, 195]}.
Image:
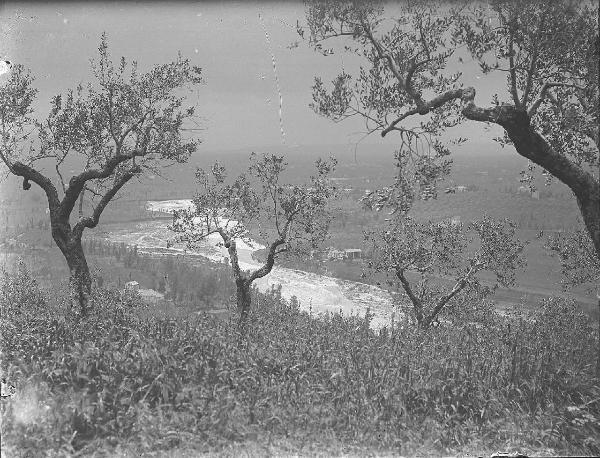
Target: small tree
{"type": "Point", "coordinates": [435, 250]}
{"type": "Point", "coordinates": [113, 129]}
{"type": "Point", "coordinates": [580, 265]}
{"type": "Point", "coordinates": [289, 218]}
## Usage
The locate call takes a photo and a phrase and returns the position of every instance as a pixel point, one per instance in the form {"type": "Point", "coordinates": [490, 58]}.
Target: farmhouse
{"type": "Point", "coordinates": [151, 296]}
{"type": "Point", "coordinates": [352, 253]}
{"type": "Point", "coordinates": [333, 253]}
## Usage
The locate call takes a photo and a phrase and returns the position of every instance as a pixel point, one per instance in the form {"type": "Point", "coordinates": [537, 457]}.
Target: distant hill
{"type": "Point", "coordinates": [488, 172]}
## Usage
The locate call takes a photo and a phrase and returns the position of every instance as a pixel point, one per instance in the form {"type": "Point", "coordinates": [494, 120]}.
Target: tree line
{"type": "Point", "coordinates": [203, 283]}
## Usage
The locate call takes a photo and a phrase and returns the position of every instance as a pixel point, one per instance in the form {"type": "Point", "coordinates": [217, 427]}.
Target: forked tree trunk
{"type": "Point", "coordinates": [425, 321]}
{"type": "Point", "coordinates": [243, 282]}
{"type": "Point", "coordinates": [244, 300]}
{"type": "Point", "coordinates": [80, 280]}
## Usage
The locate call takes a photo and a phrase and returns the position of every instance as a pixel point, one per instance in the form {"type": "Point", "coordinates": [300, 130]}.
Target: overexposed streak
{"type": "Point", "coordinates": [276, 78]}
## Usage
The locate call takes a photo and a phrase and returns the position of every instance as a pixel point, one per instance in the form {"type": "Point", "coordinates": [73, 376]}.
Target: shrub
{"type": "Point", "coordinates": [20, 293]}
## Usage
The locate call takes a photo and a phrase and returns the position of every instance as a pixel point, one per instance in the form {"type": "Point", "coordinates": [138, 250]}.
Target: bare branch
{"type": "Point", "coordinates": [30, 174]}
{"type": "Point", "coordinates": [382, 54]}
{"type": "Point", "coordinates": [531, 72]}
{"type": "Point", "coordinates": [535, 105]}
{"type": "Point", "coordinates": [268, 266]}
{"type": "Point", "coordinates": [513, 71]}
{"type": "Point", "coordinates": [427, 107]}
{"type": "Point", "coordinates": [458, 287]}
{"type": "Point", "coordinates": [60, 177]}
{"type": "Point", "coordinates": [111, 121]}
{"type": "Point", "coordinates": [418, 305]}
{"type": "Point", "coordinates": [77, 182]}
{"type": "Point", "coordinates": [92, 221]}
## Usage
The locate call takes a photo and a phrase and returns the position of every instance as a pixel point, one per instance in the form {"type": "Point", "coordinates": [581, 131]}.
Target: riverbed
{"type": "Point", "coordinates": [317, 293]}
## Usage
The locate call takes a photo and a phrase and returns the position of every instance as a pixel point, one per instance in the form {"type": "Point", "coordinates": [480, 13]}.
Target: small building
{"type": "Point", "coordinates": [533, 193]}
{"type": "Point", "coordinates": [132, 286]}
{"type": "Point", "coordinates": [352, 253]}
{"type": "Point", "coordinates": [151, 296]}
{"type": "Point", "coordinates": [333, 254]}
{"type": "Point", "coordinates": [461, 189]}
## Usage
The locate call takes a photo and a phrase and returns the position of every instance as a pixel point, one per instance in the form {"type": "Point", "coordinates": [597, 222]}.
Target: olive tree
{"type": "Point", "coordinates": [115, 128]}
{"type": "Point", "coordinates": [289, 219]}
{"type": "Point", "coordinates": [409, 81]}
{"type": "Point", "coordinates": [436, 250]}
{"type": "Point", "coordinates": [579, 263]}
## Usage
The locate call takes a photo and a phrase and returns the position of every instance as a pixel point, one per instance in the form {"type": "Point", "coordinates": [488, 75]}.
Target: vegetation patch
{"type": "Point", "coordinates": [126, 380]}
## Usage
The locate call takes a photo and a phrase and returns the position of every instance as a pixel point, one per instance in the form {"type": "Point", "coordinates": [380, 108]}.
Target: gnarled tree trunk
{"type": "Point", "coordinates": [584, 186]}
{"type": "Point", "coordinates": [531, 145]}
{"type": "Point", "coordinates": [243, 283]}
{"type": "Point", "coordinates": [80, 280]}
{"type": "Point", "coordinates": [243, 299]}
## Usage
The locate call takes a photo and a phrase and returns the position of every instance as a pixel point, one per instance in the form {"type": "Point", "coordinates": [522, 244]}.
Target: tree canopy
{"type": "Point", "coordinates": [114, 129]}
{"type": "Point", "coordinates": [409, 82]}
{"type": "Point", "coordinates": [290, 219]}
{"type": "Point", "coordinates": [444, 249]}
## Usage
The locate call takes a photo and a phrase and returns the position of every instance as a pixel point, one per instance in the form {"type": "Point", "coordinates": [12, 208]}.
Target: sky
{"type": "Point", "coordinates": [240, 103]}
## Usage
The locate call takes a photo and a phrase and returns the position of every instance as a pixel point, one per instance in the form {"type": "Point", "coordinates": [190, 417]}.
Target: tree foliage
{"type": "Point", "coordinates": [113, 129]}
{"type": "Point", "coordinates": [290, 219]}
{"type": "Point", "coordinates": [445, 249]}
{"type": "Point", "coordinates": [407, 84]}
{"type": "Point", "coordinates": [579, 263]}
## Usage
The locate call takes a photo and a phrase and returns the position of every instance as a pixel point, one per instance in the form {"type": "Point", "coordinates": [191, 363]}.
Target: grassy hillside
{"type": "Point", "coordinates": [129, 382]}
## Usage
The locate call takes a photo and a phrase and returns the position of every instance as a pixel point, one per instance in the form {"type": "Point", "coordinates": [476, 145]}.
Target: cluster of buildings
{"type": "Point", "coordinates": [333, 254]}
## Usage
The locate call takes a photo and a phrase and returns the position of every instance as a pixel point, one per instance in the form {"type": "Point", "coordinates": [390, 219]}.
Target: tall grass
{"type": "Point", "coordinates": [154, 384]}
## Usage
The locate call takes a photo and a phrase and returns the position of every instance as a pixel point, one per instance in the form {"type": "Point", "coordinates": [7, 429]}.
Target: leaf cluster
{"type": "Point", "coordinates": [577, 256]}
{"type": "Point", "coordinates": [123, 122]}
{"type": "Point", "coordinates": [444, 249]}
{"type": "Point", "coordinates": [258, 200]}
{"type": "Point", "coordinates": [549, 54]}
{"type": "Point", "coordinates": [536, 43]}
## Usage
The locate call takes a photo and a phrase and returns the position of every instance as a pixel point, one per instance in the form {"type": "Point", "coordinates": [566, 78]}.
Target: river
{"type": "Point", "coordinates": [317, 293]}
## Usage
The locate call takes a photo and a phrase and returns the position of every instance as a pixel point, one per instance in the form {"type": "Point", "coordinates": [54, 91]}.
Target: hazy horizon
{"type": "Point", "coordinates": [239, 104]}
